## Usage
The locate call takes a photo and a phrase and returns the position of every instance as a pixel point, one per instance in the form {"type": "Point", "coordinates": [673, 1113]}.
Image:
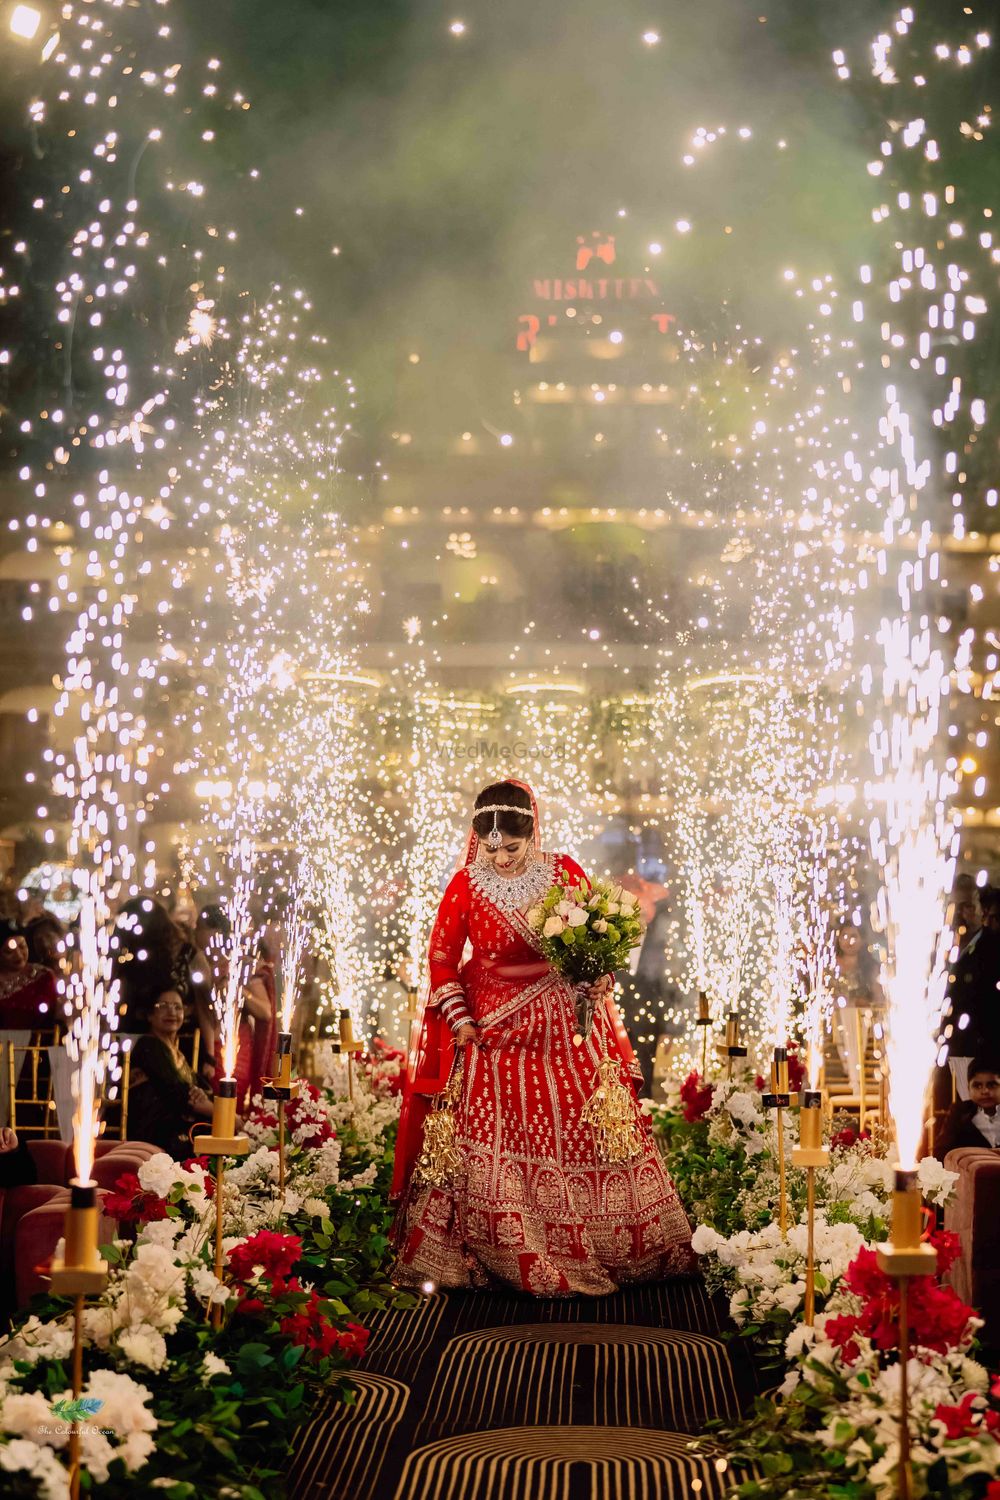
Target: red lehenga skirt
{"type": "Point", "coordinates": [532, 1205]}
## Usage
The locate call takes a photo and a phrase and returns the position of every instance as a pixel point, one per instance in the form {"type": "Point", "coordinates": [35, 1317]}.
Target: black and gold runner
{"type": "Point", "coordinates": [494, 1396]}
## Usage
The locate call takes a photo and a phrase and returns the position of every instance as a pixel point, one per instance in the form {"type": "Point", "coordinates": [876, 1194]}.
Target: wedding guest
{"type": "Point", "coordinates": [163, 1098]}
{"type": "Point", "coordinates": [974, 1121]}
{"type": "Point", "coordinates": [156, 952]}
{"type": "Point", "coordinates": [46, 937]}
{"type": "Point", "coordinates": [17, 1165]}
{"type": "Point", "coordinates": [28, 996]}
{"type": "Point", "coordinates": [971, 1018]}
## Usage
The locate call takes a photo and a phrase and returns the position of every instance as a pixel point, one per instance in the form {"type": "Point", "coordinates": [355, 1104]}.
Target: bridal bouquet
{"type": "Point", "coordinates": [585, 931]}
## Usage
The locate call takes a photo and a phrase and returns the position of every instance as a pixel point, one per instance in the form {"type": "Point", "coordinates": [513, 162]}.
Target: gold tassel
{"type": "Point", "coordinates": [439, 1158]}
{"type": "Point", "coordinates": [610, 1112]}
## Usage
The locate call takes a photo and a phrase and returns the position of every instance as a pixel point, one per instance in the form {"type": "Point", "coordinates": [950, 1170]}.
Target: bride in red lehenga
{"type": "Point", "coordinates": [531, 1204]}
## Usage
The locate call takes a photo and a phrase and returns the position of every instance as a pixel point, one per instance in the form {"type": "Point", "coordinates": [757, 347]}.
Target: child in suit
{"type": "Point", "coordinates": [974, 1121]}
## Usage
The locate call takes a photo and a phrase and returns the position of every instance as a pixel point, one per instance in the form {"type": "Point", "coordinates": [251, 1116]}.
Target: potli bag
{"type": "Point", "coordinates": [610, 1113]}
{"type": "Point", "coordinates": [439, 1158]}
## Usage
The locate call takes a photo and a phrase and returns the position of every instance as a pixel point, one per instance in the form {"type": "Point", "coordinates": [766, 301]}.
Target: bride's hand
{"type": "Point", "coordinates": [602, 987]}
{"type": "Point", "coordinates": [465, 1033]}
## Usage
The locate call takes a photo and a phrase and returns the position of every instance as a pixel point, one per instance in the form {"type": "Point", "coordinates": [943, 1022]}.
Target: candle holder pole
{"type": "Point", "coordinates": [704, 1020]}
{"type": "Point", "coordinates": [349, 1047]}
{"type": "Point", "coordinates": [220, 1142]}
{"type": "Point", "coordinates": [734, 1048]}
{"type": "Point", "coordinates": [810, 1153]}
{"type": "Point", "coordinates": [902, 1257]}
{"type": "Point", "coordinates": [779, 1100]}
{"type": "Point", "coordinates": [281, 1088]}
{"type": "Point", "coordinates": [80, 1273]}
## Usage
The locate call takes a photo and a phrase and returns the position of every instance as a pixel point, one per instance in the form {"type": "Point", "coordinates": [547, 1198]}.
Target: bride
{"type": "Point", "coordinates": [532, 1204]}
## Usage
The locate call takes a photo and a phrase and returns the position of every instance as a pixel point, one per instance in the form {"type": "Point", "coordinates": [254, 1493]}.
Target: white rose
{"type": "Point", "coordinates": [612, 908]}
{"type": "Point", "coordinates": [45, 1469]}
{"type": "Point", "coordinates": [211, 1365]}
{"type": "Point", "coordinates": [553, 927]}
{"type": "Point", "coordinates": [705, 1240]}
{"type": "Point", "coordinates": [577, 917]}
{"type": "Point", "coordinates": [789, 1296]}
{"type": "Point", "coordinates": [600, 924]}
{"type": "Point", "coordinates": [564, 908]}
{"type": "Point", "coordinates": [159, 1173]}
{"type": "Point", "coordinates": [25, 1414]}
{"type": "Point", "coordinates": [144, 1346]}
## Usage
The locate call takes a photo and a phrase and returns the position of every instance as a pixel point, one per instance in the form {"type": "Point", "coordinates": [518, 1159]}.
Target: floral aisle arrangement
{"type": "Point", "coordinates": [176, 1404]}
{"type": "Point", "coordinates": [833, 1429]}
{"type": "Point", "coordinates": [721, 1147]}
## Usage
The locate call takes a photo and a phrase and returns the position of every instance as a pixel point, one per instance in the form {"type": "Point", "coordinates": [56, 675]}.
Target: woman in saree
{"type": "Point", "coordinates": [532, 1204]}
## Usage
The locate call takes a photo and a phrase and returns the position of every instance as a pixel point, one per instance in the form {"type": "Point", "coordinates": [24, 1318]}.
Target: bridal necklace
{"type": "Point", "coordinates": [511, 892]}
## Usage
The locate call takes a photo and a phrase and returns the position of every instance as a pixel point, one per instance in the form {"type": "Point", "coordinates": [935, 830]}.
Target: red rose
{"type": "Point", "coordinates": [843, 1332]}
{"type": "Point", "coordinates": [959, 1420]}
{"type": "Point", "coordinates": [696, 1096]}
{"type": "Point", "coordinates": [129, 1202]}
{"type": "Point", "coordinates": [274, 1254]}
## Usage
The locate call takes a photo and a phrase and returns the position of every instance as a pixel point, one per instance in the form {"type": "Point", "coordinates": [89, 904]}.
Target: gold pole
{"type": "Point", "coordinates": [281, 1148]}
{"type": "Point", "coordinates": [80, 1272]}
{"type": "Point", "coordinates": [220, 1142]}
{"type": "Point", "coordinates": [810, 1245]}
{"type": "Point", "coordinates": [902, 1257]}
{"type": "Point", "coordinates": [74, 1432]}
{"type": "Point", "coordinates": [782, 1185]}
{"type": "Point", "coordinates": [220, 1170]}
{"type": "Point", "coordinates": [905, 1469]}
{"type": "Point", "coordinates": [859, 1036]}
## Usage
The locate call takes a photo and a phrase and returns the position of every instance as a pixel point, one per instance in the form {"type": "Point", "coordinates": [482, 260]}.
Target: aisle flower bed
{"type": "Point", "coordinates": [187, 1409]}
{"type": "Point", "coordinates": [830, 1426]}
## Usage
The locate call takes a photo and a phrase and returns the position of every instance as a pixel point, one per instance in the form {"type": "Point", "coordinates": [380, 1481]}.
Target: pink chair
{"type": "Point", "coordinates": [32, 1217]}
{"type": "Point", "coordinates": [972, 1215]}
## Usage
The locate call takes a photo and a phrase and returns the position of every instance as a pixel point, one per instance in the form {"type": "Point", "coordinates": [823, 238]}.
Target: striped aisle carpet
{"type": "Point", "coordinates": [494, 1396]}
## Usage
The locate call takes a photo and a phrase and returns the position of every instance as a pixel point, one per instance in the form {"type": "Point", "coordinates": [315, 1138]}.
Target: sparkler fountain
{"type": "Point", "coordinates": [927, 323]}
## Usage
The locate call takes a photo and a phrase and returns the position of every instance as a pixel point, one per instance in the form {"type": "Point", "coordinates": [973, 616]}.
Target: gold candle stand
{"type": "Point", "coordinates": [704, 1020]}
{"type": "Point", "coordinates": [282, 1087]}
{"type": "Point", "coordinates": [779, 1099]}
{"type": "Point", "coordinates": [902, 1257]}
{"type": "Point", "coordinates": [734, 1048]}
{"type": "Point", "coordinates": [810, 1153]}
{"type": "Point", "coordinates": [80, 1273]}
{"type": "Point", "coordinates": [350, 1048]}
{"type": "Point", "coordinates": [410, 1013]}
{"type": "Point", "coordinates": [220, 1142]}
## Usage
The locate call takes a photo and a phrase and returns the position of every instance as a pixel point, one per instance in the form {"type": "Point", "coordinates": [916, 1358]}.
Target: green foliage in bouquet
{"type": "Point", "coordinates": [588, 929]}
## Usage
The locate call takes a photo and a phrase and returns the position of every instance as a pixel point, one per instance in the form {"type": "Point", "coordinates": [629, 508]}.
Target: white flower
{"type": "Point", "coordinates": [974, 1376]}
{"type": "Point", "coordinates": [144, 1346]}
{"type": "Point", "coordinates": [159, 1173]}
{"type": "Point", "coordinates": [936, 1182]}
{"type": "Point", "coordinates": [207, 1287]}
{"type": "Point", "coordinates": [612, 908]}
{"type": "Point", "coordinates": [553, 927]}
{"type": "Point", "coordinates": [600, 924]}
{"type": "Point", "coordinates": [799, 1340]}
{"type": "Point", "coordinates": [27, 1414]}
{"type": "Point", "coordinates": [315, 1207]}
{"type": "Point", "coordinates": [211, 1365]}
{"type": "Point", "coordinates": [577, 917]}
{"type": "Point", "coordinates": [41, 1463]}
{"type": "Point", "coordinates": [36, 1340]}
{"type": "Point", "coordinates": [790, 1295]}
{"type": "Point", "coordinates": [160, 1232]}
{"type": "Point", "coordinates": [705, 1240]}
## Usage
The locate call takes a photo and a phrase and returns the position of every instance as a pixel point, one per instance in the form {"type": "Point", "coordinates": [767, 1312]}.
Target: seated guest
{"type": "Point", "coordinates": [46, 937]}
{"type": "Point", "coordinates": [974, 1121]}
{"type": "Point", "coordinates": [28, 997]}
{"type": "Point", "coordinates": [17, 1165]}
{"type": "Point", "coordinates": [163, 1100]}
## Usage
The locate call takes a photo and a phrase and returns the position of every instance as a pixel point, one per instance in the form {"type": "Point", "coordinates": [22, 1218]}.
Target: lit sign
{"type": "Point", "coordinates": [592, 256]}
